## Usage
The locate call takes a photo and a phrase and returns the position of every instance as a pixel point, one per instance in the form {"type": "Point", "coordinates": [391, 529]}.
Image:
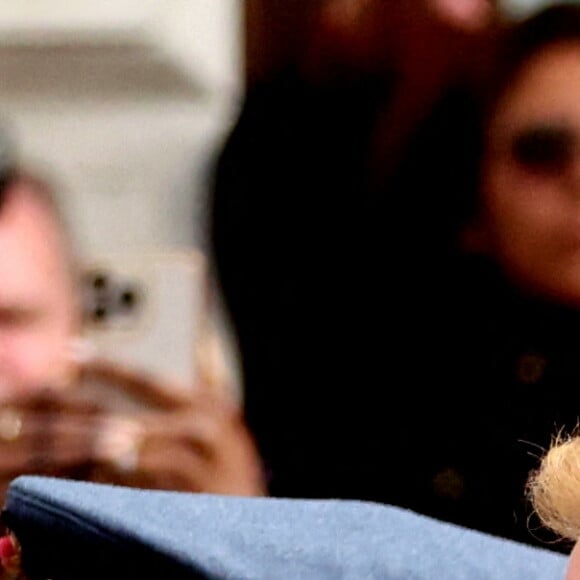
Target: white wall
{"type": "Point", "coordinates": [125, 102]}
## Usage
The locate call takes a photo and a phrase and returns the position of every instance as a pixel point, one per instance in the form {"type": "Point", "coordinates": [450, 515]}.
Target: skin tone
{"type": "Point", "coordinates": [38, 314]}
{"type": "Point", "coordinates": [193, 442]}
{"type": "Point", "coordinates": [574, 564]}
{"type": "Point", "coordinates": [532, 218]}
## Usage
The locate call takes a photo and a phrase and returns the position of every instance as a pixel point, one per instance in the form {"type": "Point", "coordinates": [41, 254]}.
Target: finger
{"type": "Point", "coordinates": [118, 442]}
{"type": "Point", "coordinates": [46, 441]}
{"type": "Point", "coordinates": [137, 385]}
{"type": "Point", "coordinates": [51, 401]}
{"type": "Point", "coordinates": [39, 442]}
{"type": "Point", "coordinates": [220, 456]}
{"type": "Point", "coordinates": [171, 465]}
{"type": "Point", "coordinates": [204, 425]}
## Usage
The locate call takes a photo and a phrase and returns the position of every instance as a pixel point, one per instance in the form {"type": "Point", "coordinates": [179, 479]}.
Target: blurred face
{"type": "Point", "coordinates": [37, 306]}
{"type": "Point", "coordinates": [531, 184]}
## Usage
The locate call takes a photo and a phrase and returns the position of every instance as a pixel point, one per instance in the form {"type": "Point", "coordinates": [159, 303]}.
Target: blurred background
{"type": "Point", "coordinates": [123, 102]}
{"type": "Point", "coordinates": [126, 104]}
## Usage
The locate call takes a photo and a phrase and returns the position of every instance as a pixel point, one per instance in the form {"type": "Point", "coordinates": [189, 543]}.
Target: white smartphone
{"type": "Point", "coordinates": [145, 312]}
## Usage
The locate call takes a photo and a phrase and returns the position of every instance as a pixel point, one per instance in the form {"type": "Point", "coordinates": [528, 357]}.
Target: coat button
{"type": "Point", "coordinates": [449, 483]}
{"type": "Point", "coordinates": [530, 368]}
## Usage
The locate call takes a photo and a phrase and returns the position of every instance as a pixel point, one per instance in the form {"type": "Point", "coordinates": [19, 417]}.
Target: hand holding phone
{"type": "Point", "coordinates": [170, 440]}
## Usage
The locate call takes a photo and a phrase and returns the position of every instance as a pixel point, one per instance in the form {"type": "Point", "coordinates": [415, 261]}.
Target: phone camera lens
{"type": "Point", "coordinates": [100, 281]}
{"type": "Point", "coordinates": [99, 313]}
{"type": "Point", "coordinates": [129, 299]}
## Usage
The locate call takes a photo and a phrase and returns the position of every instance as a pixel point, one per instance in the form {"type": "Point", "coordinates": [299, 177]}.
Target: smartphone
{"type": "Point", "coordinates": [145, 312]}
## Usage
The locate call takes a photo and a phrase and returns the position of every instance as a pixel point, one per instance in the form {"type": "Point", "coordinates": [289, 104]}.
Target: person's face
{"type": "Point", "coordinates": [37, 305]}
{"type": "Point", "coordinates": [531, 176]}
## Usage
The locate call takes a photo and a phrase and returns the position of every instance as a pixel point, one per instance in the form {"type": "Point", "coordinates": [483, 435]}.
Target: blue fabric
{"type": "Point", "coordinates": [179, 535]}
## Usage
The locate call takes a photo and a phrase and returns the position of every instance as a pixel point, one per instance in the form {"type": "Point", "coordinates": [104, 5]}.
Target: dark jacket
{"type": "Point", "coordinates": [378, 362]}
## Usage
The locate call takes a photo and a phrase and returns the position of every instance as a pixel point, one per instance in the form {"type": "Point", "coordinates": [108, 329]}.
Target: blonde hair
{"type": "Point", "coordinates": [554, 488]}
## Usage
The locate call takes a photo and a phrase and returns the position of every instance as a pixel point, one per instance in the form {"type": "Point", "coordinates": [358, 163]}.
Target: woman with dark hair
{"type": "Point", "coordinates": [516, 306]}
{"type": "Point", "coordinates": [298, 227]}
{"type": "Point", "coordinates": [421, 352]}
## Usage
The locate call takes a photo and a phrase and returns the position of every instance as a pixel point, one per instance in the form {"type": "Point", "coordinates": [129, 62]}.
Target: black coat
{"type": "Point", "coordinates": [378, 362]}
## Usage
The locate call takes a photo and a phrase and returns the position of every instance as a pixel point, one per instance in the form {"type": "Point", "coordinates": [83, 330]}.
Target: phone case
{"type": "Point", "coordinates": [146, 312]}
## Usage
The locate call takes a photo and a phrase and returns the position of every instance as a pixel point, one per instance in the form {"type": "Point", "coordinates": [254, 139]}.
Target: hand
{"type": "Point", "coordinates": [46, 434]}
{"type": "Point", "coordinates": [193, 441]}
{"type": "Point", "coordinates": [190, 442]}
{"type": "Point", "coordinates": [203, 446]}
